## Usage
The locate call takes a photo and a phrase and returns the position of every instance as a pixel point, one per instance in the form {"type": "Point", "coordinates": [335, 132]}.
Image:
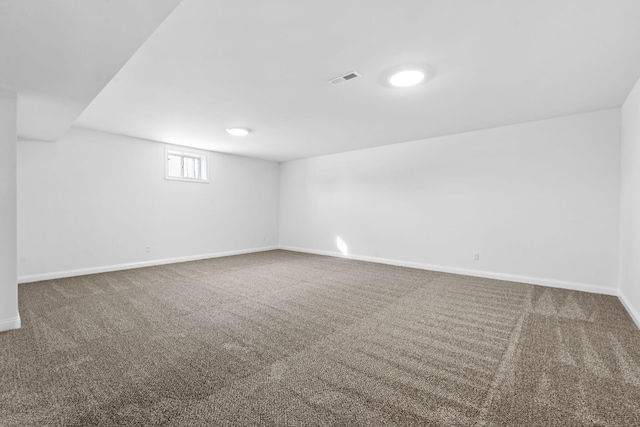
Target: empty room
{"type": "Point", "coordinates": [319, 213]}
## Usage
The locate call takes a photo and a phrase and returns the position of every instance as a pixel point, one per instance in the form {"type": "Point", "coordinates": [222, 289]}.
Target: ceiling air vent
{"type": "Point", "coordinates": [349, 76]}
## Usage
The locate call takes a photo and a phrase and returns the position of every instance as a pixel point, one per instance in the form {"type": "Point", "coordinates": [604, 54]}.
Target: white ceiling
{"type": "Point", "coordinates": [265, 65]}
{"type": "Point", "coordinates": [58, 54]}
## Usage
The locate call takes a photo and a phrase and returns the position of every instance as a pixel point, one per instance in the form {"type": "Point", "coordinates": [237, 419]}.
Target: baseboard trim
{"type": "Point", "coordinates": [129, 266]}
{"type": "Point", "coordinates": [9, 324]}
{"type": "Point", "coordinates": [467, 272]}
{"type": "Point", "coordinates": [632, 311]}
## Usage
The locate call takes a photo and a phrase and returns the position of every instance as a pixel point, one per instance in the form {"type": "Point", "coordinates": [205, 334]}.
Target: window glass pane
{"type": "Point", "coordinates": [174, 166]}
{"type": "Point", "coordinates": [189, 167]}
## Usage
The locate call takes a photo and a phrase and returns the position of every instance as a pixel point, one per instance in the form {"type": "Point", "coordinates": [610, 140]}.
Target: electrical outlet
{"type": "Point", "coordinates": [476, 256]}
{"type": "Point", "coordinates": [147, 249]}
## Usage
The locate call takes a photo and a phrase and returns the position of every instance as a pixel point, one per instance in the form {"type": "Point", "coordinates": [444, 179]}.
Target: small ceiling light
{"type": "Point", "coordinates": [406, 78]}
{"type": "Point", "coordinates": [238, 131]}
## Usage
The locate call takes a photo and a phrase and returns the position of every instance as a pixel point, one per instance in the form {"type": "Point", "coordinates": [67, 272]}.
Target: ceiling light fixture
{"type": "Point", "coordinates": [238, 131]}
{"type": "Point", "coordinates": [406, 78]}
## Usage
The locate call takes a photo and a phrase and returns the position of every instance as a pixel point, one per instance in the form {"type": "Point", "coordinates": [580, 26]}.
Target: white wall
{"type": "Point", "coordinates": [539, 201]}
{"type": "Point", "coordinates": [9, 318]}
{"type": "Point", "coordinates": [630, 204]}
{"type": "Point", "coordinates": [93, 201]}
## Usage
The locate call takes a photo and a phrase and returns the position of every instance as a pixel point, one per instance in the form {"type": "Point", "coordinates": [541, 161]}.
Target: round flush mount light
{"type": "Point", "coordinates": [407, 78]}
{"type": "Point", "coordinates": [238, 131]}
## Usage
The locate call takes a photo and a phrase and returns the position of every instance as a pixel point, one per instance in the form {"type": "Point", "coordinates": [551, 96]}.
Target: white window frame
{"type": "Point", "coordinates": [204, 160]}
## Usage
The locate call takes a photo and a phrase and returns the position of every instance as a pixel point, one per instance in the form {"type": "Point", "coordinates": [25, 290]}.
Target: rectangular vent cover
{"type": "Point", "coordinates": [349, 76]}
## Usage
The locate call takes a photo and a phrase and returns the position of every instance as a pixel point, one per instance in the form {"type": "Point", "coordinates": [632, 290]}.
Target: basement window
{"type": "Point", "coordinates": [186, 166]}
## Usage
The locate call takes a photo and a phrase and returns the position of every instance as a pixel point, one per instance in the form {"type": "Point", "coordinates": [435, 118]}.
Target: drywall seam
{"type": "Point", "coordinates": [8, 324]}
{"type": "Point", "coordinates": [468, 272]}
{"type": "Point", "coordinates": [632, 311]}
{"type": "Point", "coordinates": [129, 266]}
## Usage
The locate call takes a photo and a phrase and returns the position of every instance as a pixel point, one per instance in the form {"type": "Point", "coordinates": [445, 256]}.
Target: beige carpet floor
{"type": "Point", "coordinates": [282, 338]}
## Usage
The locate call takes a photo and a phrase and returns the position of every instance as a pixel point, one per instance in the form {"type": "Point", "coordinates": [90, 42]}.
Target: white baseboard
{"type": "Point", "coordinates": [632, 311]}
{"type": "Point", "coordinates": [129, 266]}
{"type": "Point", "coordinates": [584, 287]}
{"type": "Point", "coordinates": [9, 324]}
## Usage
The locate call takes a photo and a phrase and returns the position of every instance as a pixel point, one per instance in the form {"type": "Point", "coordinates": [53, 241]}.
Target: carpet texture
{"type": "Point", "coordinates": [283, 338]}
